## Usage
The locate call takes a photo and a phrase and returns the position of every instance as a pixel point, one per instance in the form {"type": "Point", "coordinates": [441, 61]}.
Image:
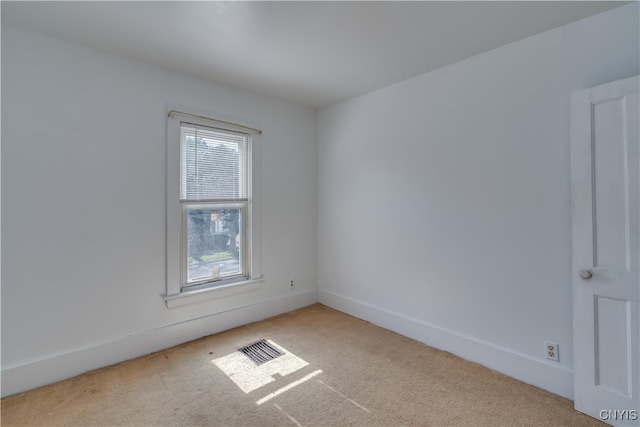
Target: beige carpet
{"type": "Point", "coordinates": [336, 371]}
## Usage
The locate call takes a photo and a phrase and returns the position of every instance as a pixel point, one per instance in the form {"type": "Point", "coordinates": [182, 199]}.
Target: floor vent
{"type": "Point", "coordinates": [260, 352]}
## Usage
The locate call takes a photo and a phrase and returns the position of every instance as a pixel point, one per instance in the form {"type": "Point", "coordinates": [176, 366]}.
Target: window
{"type": "Point", "coordinates": [212, 201]}
{"type": "Point", "coordinates": [213, 196]}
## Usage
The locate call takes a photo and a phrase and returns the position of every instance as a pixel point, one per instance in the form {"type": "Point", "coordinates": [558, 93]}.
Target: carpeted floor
{"type": "Point", "coordinates": [336, 371]}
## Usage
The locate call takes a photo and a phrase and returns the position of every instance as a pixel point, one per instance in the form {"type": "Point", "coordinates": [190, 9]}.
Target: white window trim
{"type": "Point", "coordinates": [177, 295]}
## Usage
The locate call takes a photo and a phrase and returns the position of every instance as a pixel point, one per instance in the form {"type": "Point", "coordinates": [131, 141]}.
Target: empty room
{"type": "Point", "coordinates": [320, 213]}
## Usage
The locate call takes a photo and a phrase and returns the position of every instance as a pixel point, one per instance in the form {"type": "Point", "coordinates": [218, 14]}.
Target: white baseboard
{"type": "Point", "coordinates": [34, 374]}
{"type": "Point", "coordinates": [556, 379]}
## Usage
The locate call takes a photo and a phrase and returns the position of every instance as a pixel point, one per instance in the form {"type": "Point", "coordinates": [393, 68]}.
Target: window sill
{"type": "Point", "coordinates": [189, 296]}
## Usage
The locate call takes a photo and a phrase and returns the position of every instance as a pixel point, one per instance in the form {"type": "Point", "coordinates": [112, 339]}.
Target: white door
{"type": "Point", "coordinates": [605, 191]}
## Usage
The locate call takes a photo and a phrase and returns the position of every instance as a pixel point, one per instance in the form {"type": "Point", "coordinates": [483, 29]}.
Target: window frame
{"type": "Point", "coordinates": [178, 292]}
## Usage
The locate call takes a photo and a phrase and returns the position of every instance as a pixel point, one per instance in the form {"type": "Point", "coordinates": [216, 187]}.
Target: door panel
{"type": "Point", "coordinates": [613, 366]}
{"type": "Point", "coordinates": [611, 192]}
{"type": "Point", "coordinates": [605, 190]}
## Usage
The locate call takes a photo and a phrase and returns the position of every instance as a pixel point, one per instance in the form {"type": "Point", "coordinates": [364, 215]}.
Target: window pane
{"type": "Point", "coordinates": [214, 244]}
{"type": "Point", "coordinates": [213, 163]}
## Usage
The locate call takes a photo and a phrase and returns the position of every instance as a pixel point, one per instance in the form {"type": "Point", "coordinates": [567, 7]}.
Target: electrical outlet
{"type": "Point", "coordinates": [291, 284]}
{"type": "Point", "coordinates": [551, 351]}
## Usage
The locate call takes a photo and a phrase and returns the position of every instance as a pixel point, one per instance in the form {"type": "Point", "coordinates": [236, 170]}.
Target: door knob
{"type": "Point", "coordinates": [586, 274]}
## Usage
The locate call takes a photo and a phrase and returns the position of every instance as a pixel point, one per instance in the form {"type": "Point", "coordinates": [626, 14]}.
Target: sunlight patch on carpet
{"type": "Point", "coordinates": [289, 387]}
{"type": "Point", "coordinates": [249, 377]}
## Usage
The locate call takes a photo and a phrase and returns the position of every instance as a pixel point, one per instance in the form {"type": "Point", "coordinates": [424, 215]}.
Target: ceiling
{"type": "Point", "coordinates": [312, 53]}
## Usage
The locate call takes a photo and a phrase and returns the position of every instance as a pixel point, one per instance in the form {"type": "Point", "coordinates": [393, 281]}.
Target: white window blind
{"type": "Point", "coordinates": [213, 164]}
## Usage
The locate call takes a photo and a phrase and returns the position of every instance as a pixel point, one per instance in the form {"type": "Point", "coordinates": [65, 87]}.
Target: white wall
{"type": "Point", "coordinates": [83, 209]}
{"type": "Point", "coordinates": [444, 203]}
